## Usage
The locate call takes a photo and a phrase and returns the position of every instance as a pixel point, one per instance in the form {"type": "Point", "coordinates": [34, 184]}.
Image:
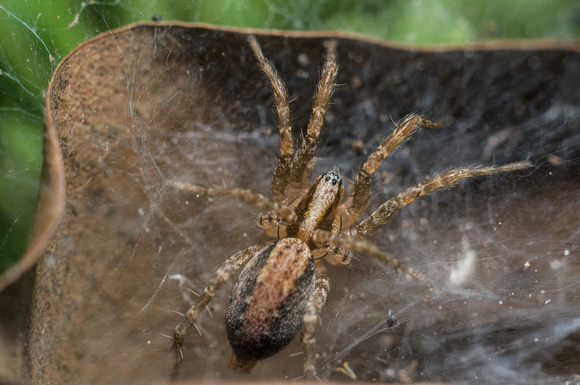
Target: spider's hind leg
{"type": "Point", "coordinates": [311, 319]}
{"type": "Point", "coordinates": [222, 274]}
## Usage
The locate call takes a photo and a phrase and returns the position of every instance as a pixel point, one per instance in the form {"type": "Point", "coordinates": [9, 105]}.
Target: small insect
{"type": "Point", "coordinates": [283, 285]}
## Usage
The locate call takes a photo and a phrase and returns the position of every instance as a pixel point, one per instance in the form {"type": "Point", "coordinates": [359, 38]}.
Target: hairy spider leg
{"type": "Point", "coordinates": [303, 161]}
{"type": "Point", "coordinates": [311, 319]}
{"type": "Point", "coordinates": [279, 215]}
{"type": "Point", "coordinates": [383, 214]}
{"type": "Point", "coordinates": [223, 273]}
{"type": "Point", "coordinates": [295, 170]}
{"type": "Point", "coordinates": [339, 248]}
{"type": "Point", "coordinates": [357, 205]}
{"type": "Point", "coordinates": [279, 184]}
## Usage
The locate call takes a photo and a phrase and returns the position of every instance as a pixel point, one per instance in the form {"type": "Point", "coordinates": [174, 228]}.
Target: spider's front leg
{"type": "Point", "coordinates": [222, 274]}
{"type": "Point", "coordinates": [304, 160]}
{"type": "Point", "coordinates": [280, 177]}
{"type": "Point", "coordinates": [295, 170]}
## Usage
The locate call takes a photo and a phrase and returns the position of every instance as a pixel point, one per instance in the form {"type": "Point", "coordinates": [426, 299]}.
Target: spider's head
{"type": "Point", "coordinates": [317, 209]}
{"type": "Point", "coordinates": [332, 178]}
{"type": "Point", "coordinates": [327, 190]}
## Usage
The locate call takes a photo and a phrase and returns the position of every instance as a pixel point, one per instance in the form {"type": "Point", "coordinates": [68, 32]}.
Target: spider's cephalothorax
{"type": "Point", "coordinates": [283, 285]}
{"type": "Point", "coordinates": [318, 208]}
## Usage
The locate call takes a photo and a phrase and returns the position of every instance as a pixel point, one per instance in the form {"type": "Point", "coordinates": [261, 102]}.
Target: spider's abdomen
{"type": "Point", "coordinates": [268, 301]}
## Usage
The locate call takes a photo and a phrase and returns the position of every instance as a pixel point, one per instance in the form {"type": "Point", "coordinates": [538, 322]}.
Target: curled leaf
{"type": "Point", "coordinates": [140, 108]}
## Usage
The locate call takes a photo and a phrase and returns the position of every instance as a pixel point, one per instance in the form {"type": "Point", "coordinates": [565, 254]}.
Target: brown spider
{"type": "Point", "coordinates": [283, 284]}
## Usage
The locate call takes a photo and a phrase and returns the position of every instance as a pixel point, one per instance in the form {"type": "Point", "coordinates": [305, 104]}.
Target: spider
{"type": "Point", "coordinates": [283, 284]}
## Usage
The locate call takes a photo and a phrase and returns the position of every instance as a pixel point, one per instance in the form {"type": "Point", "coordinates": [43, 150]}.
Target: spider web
{"type": "Point", "coordinates": [42, 37]}
{"type": "Point", "coordinates": [37, 35]}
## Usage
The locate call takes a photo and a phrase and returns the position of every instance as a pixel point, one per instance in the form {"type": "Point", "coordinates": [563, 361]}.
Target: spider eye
{"type": "Point", "coordinates": [332, 177]}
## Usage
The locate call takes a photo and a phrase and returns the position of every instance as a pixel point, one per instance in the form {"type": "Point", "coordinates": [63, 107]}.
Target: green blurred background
{"type": "Point", "coordinates": [36, 35]}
